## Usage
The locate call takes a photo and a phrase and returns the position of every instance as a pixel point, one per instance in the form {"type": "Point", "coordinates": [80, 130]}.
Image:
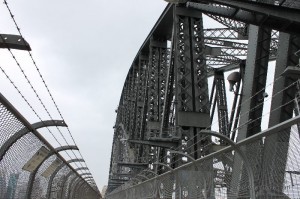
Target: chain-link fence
{"type": "Point", "coordinates": [30, 167]}
{"type": "Point", "coordinates": [266, 165]}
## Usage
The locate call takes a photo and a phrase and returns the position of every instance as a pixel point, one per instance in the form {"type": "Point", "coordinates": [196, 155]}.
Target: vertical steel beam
{"type": "Point", "coordinates": [142, 106]}
{"type": "Point", "coordinates": [167, 122]}
{"type": "Point", "coordinates": [132, 100]}
{"type": "Point", "coordinates": [156, 84]}
{"type": "Point", "coordinates": [127, 102]}
{"type": "Point", "coordinates": [276, 146]}
{"type": "Point", "coordinates": [222, 103]}
{"type": "Point", "coordinates": [254, 81]}
{"type": "Point", "coordinates": [191, 87]}
{"type": "Point", "coordinates": [252, 96]}
{"type": "Point", "coordinates": [156, 81]}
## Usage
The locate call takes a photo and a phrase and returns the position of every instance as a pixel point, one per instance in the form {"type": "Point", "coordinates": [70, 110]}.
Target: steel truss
{"type": "Point", "coordinates": [165, 102]}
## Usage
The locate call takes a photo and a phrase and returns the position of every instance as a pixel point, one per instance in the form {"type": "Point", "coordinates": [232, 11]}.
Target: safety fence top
{"type": "Point", "coordinates": [30, 167]}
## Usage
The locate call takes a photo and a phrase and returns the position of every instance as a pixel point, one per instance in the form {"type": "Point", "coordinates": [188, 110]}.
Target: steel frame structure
{"type": "Point", "coordinates": [165, 103]}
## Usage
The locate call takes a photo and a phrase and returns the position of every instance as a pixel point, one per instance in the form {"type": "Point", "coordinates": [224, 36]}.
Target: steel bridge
{"type": "Point", "coordinates": [197, 118]}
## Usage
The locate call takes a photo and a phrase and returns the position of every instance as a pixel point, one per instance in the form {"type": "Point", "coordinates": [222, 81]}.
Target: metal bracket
{"type": "Point", "coordinates": [133, 165]}
{"type": "Point", "coordinates": [163, 144]}
{"type": "Point", "coordinates": [13, 42]}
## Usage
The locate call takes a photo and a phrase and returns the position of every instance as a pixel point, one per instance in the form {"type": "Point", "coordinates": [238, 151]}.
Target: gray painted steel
{"type": "Point", "coordinates": [13, 42]}
{"type": "Point", "coordinates": [162, 109]}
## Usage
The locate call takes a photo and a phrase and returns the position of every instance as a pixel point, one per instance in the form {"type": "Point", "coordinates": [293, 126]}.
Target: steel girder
{"type": "Point", "coordinates": [236, 26]}
{"type": "Point", "coordinates": [255, 81]}
{"type": "Point", "coordinates": [221, 101]}
{"type": "Point", "coordinates": [253, 13]}
{"type": "Point", "coordinates": [223, 33]}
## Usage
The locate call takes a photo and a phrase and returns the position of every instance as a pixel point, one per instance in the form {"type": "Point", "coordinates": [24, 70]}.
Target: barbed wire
{"type": "Point", "coordinates": [43, 80]}
{"type": "Point", "coordinates": [34, 90]}
{"type": "Point", "coordinates": [27, 102]}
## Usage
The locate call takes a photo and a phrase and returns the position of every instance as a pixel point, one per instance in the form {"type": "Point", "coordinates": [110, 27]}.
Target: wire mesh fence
{"type": "Point", "coordinates": [30, 167]}
{"type": "Point", "coordinates": [266, 165]}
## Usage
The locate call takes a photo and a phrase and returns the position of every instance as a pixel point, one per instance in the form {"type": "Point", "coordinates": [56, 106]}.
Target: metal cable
{"type": "Point", "coordinates": [43, 80]}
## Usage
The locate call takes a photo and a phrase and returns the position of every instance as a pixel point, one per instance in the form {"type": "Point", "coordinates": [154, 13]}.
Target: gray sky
{"type": "Point", "coordinates": [84, 50]}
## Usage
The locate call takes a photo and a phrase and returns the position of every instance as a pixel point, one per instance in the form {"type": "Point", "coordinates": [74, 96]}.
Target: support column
{"type": "Point", "coordinates": [252, 97]}
{"type": "Point", "coordinates": [156, 90]}
{"type": "Point", "coordinates": [254, 81]}
{"type": "Point", "coordinates": [191, 87]}
{"type": "Point", "coordinates": [275, 152]}
{"type": "Point", "coordinates": [142, 107]}
{"type": "Point", "coordinates": [222, 103]}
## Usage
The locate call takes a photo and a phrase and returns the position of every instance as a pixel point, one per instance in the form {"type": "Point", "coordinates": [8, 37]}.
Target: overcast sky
{"type": "Point", "coordinates": [84, 50]}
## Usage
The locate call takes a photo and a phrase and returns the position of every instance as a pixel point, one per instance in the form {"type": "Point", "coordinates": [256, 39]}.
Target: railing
{"type": "Point", "coordinates": [266, 165]}
{"type": "Point", "coordinates": [30, 167]}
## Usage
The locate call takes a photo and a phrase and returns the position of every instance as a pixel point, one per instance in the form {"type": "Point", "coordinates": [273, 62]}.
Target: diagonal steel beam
{"type": "Point", "coordinates": [271, 16]}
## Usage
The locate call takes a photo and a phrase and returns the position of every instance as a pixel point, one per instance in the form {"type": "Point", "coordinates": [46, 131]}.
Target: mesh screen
{"type": "Point", "coordinates": [67, 185]}
{"type": "Point", "coordinates": [266, 167]}
{"type": "Point", "coordinates": [72, 187]}
{"type": "Point", "coordinates": [9, 124]}
{"type": "Point", "coordinates": [40, 184]}
{"type": "Point", "coordinates": [14, 180]}
{"type": "Point", "coordinates": [56, 188]}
